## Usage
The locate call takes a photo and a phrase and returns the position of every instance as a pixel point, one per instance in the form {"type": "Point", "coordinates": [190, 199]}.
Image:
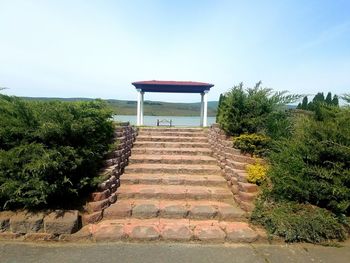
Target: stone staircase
{"type": "Point", "coordinates": [173, 189]}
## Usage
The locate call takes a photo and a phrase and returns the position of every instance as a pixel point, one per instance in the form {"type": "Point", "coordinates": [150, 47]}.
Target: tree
{"type": "Point", "coordinates": [318, 98]}
{"type": "Point", "coordinates": [329, 98]}
{"type": "Point", "coordinates": [304, 103]}
{"type": "Point", "coordinates": [221, 98]}
{"type": "Point", "coordinates": [335, 101]}
{"type": "Point", "coordinates": [346, 97]}
{"type": "Point", "coordinates": [248, 110]}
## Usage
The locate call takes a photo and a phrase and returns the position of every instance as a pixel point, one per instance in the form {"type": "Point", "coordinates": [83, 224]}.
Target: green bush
{"type": "Point", "coordinates": [257, 172]}
{"type": "Point", "coordinates": [254, 144]}
{"type": "Point", "coordinates": [299, 222]}
{"type": "Point", "coordinates": [247, 111]}
{"type": "Point", "coordinates": [313, 165]}
{"type": "Point", "coordinates": [279, 124]}
{"type": "Point", "coordinates": [50, 152]}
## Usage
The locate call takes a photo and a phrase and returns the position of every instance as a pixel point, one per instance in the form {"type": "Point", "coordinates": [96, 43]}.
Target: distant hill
{"type": "Point", "coordinates": [152, 108]}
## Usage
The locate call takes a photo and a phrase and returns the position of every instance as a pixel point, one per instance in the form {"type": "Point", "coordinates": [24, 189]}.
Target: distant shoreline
{"type": "Point", "coordinates": [151, 108]}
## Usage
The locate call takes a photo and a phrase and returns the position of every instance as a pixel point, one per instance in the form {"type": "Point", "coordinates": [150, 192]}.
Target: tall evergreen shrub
{"type": "Point", "coordinates": [50, 152]}
{"type": "Point", "coordinates": [313, 165]}
{"type": "Point", "coordinates": [248, 110]}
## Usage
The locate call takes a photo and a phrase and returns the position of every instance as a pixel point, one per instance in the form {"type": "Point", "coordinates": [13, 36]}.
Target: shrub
{"type": "Point", "coordinates": [257, 172]}
{"type": "Point", "coordinates": [247, 111]}
{"type": "Point", "coordinates": [50, 152]}
{"type": "Point", "coordinates": [298, 222]}
{"type": "Point", "coordinates": [313, 166]}
{"type": "Point", "coordinates": [255, 144]}
{"type": "Point", "coordinates": [279, 124]}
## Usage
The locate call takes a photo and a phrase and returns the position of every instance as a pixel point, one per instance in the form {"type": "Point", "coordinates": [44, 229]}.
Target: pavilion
{"type": "Point", "coordinates": [172, 87]}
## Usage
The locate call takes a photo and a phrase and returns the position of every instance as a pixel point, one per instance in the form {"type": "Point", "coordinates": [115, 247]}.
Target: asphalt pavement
{"type": "Point", "coordinates": [22, 252]}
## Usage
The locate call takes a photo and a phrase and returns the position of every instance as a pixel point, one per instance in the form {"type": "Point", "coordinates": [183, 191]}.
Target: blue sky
{"type": "Point", "coordinates": [97, 48]}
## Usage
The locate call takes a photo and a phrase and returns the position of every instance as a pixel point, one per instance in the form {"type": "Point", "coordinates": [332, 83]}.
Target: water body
{"type": "Point", "coordinates": [176, 120]}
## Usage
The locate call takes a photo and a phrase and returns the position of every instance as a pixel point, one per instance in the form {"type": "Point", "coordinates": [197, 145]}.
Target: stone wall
{"type": "Point", "coordinates": [43, 225]}
{"type": "Point", "coordinates": [61, 224]}
{"type": "Point", "coordinates": [233, 163]}
{"type": "Point", "coordinates": [116, 160]}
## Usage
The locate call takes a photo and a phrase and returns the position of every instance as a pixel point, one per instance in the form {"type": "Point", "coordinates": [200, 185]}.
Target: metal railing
{"type": "Point", "coordinates": [166, 123]}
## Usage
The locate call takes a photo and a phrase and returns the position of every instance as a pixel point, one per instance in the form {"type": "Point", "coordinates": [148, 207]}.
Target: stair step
{"type": "Point", "coordinates": [179, 130]}
{"type": "Point", "coordinates": [172, 151]}
{"type": "Point", "coordinates": [171, 179]}
{"type": "Point", "coordinates": [174, 192]}
{"type": "Point", "coordinates": [172, 134]}
{"type": "Point", "coordinates": [171, 139]}
{"type": "Point", "coordinates": [236, 165]}
{"type": "Point", "coordinates": [241, 158]}
{"type": "Point", "coordinates": [155, 229]}
{"type": "Point", "coordinates": [155, 208]}
{"type": "Point", "coordinates": [150, 144]}
{"type": "Point", "coordinates": [171, 159]}
{"type": "Point", "coordinates": [173, 168]}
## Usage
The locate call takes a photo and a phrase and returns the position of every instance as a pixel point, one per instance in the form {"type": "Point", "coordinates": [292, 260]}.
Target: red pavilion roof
{"type": "Point", "coordinates": [172, 86]}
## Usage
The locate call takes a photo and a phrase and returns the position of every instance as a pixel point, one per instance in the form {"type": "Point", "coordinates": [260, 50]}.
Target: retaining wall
{"type": "Point", "coordinates": [116, 160]}
{"type": "Point", "coordinates": [61, 224]}
{"type": "Point", "coordinates": [233, 163]}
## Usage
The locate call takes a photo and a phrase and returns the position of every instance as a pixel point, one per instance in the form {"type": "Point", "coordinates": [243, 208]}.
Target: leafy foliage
{"type": "Point", "coordinates": [50, 151]}
{"type": "Point", "coordinates": [313, 166]}
{"type": "Point", "coordinates": [257, 172]}
{"type": "Point", "coordinates": [220, 105]}
{"type": "Point", "coordinates": [255, 144]}
{"type": "Point", "coordinates": [279, 124]}
{"type": "Point", "coordinates": [346, 97]}
{"type": "Point", "coordinates": [299, 222]}
{"type": "Point", "coordinates": [318, 100]}
{"type": "Point", "coordinates": [247, 111]}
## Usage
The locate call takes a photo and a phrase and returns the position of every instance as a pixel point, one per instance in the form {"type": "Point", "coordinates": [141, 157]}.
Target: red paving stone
{"type": "Point", "coordinates": [174, 192]}
{"type": "Point", "coordinates": [209, 233]}
{"type": "Point", "coordinates": [240, 232]}
{"type": "Point", "coordinates": [173, 229]}
{"type": "Point", "coordinates": [171, 159]}
{"type": "Point", "coordinates": [169, 192]}
{"type": "Point", "coordinates": [173, 168]}
{"type": "Point", "coordinates": [168, 179]}
{"type": "Point", "coordinates": [168, 145]}
{"type": "Point", "coordinates": [172, 151]}
{"type": "Point", "coordinates": [120, 209]}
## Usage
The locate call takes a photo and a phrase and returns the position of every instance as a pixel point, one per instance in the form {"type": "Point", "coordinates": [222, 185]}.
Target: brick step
{"type": "Point", "coordinates": [150, 144]}
{"type": "Point", "coordinates": [171, 130]}
{"type": "Point", "coordinates": [173, 151]}
{"type": "Point", "coordinates": [146, 138]}
{"type": "Point", "coordinates": [171, 159]}
{"type": "Point", "coordinates": [171, 179]}
{"type": "Point", "coordinates": [173, 168]}
{"type": "Point", "coordinates": [204, 210]}
{"type": "Point", "coordinates": [170, 230]}
{"type": "Point", "coordinates": [228, 150]}
{"type": "Point", "coordinates": [172, 134]}
{"type": "Point", "coordinates": [236, 165]}
{"type": "Point", "coordinates": [240, 158]}
{"type": "Point", "coordinates": [174, 192]}
{"type": "Point", "coordinates": [240, 175]}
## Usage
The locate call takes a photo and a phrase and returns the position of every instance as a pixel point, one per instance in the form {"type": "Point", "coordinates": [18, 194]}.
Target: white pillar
{"type": "Point", "coordinates": [205, 114]}
{"type": "Point", "coordinates": [138, 120]}
{"type": "Point", "coordinates": [141, 113]}
{"type": "Point", "coordinates": [202, 109]}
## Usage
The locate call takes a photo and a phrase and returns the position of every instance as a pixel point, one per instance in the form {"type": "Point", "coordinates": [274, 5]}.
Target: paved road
{"type": "Point", "coordinates": [169, 252]}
